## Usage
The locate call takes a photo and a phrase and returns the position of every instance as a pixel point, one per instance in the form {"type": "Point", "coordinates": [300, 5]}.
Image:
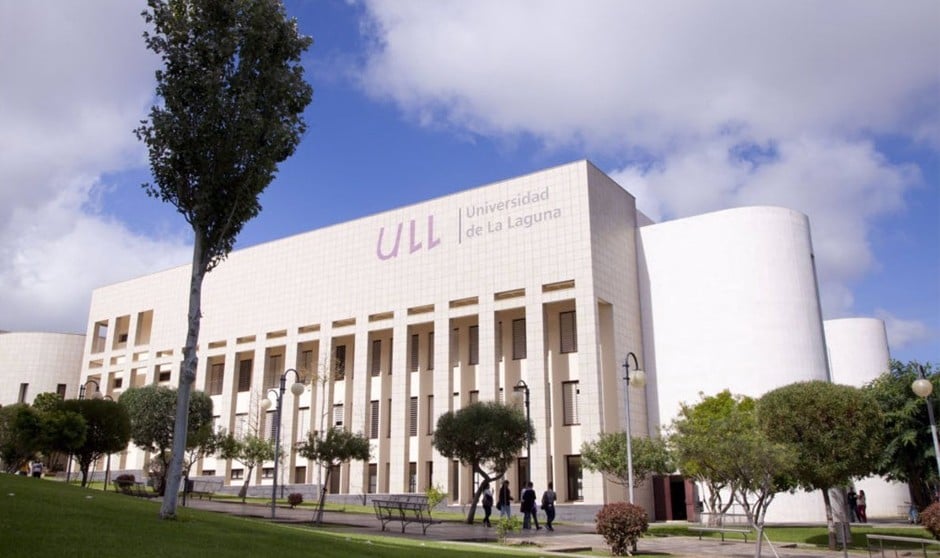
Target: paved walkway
{"type": "Point", "coordinates": [568, 538]}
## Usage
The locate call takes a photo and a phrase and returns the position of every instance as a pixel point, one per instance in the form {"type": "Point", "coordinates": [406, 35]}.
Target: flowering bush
{"type": "Point", "coordinates": [930, 519]}
{"type": "Point", "coordinates": [295, 499]}
{"type": "Point", "coordinates": [621, 524]}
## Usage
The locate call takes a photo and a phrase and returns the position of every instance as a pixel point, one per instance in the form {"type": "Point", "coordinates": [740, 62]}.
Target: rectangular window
{"type": "Point", "coordinates": [413, 353]}
{"type": "Point", "coordinates": [499, 340]}
{"type": "Point", "coordinates": [518, 339]}
{"type": "Point", "coordinates": [391, 347]}
{"type": "Point", "coordinates": [413, 417]}
{"type": "Point", "coordinates": [569, 332]}
{"type": "Point", "coordinates": [570, 394]}
{"type": "Point", "coordinates": [474, 341]}
{"type": "Point", "coordinates": [374, 419]}
{"type": "Point", "coordinates": [575, 478]}
{"type": "Point", "coordinates": [273, 371]}
{"type": "Point", "coordinates": [474, 396]}
{"type": "Point", "coordinates": [388, 419]}
{"type": "Point", "coordinates": [216, 378]}
{"type": "Point", "coordinates": [118, 383]}
{"type": "Point", "coordinates": [454, 480]}
{"type": "Point", "coordinates": [267, 472]}
{"type": "Point", "coordinates": [238, 474]}
{"type": "Point", "coordinates": [431, 351]}
{"type": "Point", "coordinates": [241, 425]}
{"type": "Point", "coordinates": [164, 373]}
{"type": "Point", "coordinates": [373, 478]}
{"type": "Point", "coordinates": [60, 390]}
{"type": "Point", "coordinates": [208, 472]}
{"type": "Point", "coordinates": [303, 424]}
{"type": "Point", "coordinates": [412, 477]}
{"type": "Point", "coordinates": [338, 414]}
{"type": "Point", "coordinates": [430, 478]}
{"type": "Point", "coordinates": [430, 413]}
{"type": "Point", "coordinates": [305, 364]}
{"type": "Point", "coordinates": [244, 375]}
{"type": "Point", "coordinates": [23, 389]}
{"type": "Point", "coordinates": [300, 475]}
{"type": "Point", "coordinates": [376, 368]}
{"type": "Point", "coordinates": [339, 363]}
{"type": "Point", "coordinates": [271, 423]}
{"type": "Point", "coordinates": [455, 348]}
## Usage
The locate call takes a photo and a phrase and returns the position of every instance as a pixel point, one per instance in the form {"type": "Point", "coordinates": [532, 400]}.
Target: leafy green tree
{"type": "Point", "coordinates": [46, 402]}
{"type": "Point", "coordinates": [151, 410]}
{"type": "Point", "coordinates": [908, 443]}
{"type": "Point", "coordinates": [835, 429]}
{"type": "Point", "coordinates": [20, 435]}
{"type": "Point", "coordinates": [487, 436]}
{"type": "Point", "coordinates": [107, 430]}
{"type": "Point", "coordinates": [233, 95]}
{"type": "Point", "coordinates": [251, 451]}
{"type": "Point", "coordinates": [335, 447]}
{"type": "Point", "coordinates": [608, 454]}
{"type": "Point", "coordinates": [64, 432]}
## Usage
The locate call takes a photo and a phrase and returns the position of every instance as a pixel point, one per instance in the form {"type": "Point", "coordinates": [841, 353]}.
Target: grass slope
{"type": "Point", "coordinates": [40, 518]}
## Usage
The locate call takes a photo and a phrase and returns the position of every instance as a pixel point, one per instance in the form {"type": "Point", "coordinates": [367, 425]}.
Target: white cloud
{"type": "Point", "coordinates": [76, 80]}
{"type": "Point", "coordinates": [710, 104]}
{"type": "Point", "coordinates": [902, 333]}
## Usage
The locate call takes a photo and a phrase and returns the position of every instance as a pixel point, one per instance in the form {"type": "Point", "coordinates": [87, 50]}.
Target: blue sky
{"type": "Point", "coordinates": [828, 108]}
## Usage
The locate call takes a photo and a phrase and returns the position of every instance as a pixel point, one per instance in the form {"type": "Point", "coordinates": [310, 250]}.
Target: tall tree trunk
{"type": "Point", "coordinates": [830, 524]}
{"type": "Point", "coordinates": [322, 502]}
{"type": "Point", "coordinates": [187, 377]}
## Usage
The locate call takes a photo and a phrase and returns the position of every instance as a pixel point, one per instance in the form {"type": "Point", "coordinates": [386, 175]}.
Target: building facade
{"type": "Point", "coordinates": [32, 363]}
{"type": "Point", "coordinates": [545, 281]}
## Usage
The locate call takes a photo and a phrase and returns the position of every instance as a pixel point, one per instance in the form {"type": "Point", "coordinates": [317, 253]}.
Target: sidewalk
{"type": "Point", "coordinates": [567, 538]}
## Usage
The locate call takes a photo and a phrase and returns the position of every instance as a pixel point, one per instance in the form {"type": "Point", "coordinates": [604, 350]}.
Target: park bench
{"type": "Point", "coordinates": [203, 487]}
{"type": "Point", "coordinates": [140, 489]}
{"type": "Point", "coordinates": [744, 531]}
{"type": "Point", "coordinates": [907, 542]}
{"type": "Point", "coordinates": [405, 509]}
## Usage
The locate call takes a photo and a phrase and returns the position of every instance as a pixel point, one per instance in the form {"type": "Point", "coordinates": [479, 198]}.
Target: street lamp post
{"type": "Point", "coordinates": [296, 388]}
{"type": "Point", "coordinates": [81, 395]}
{"type": "Point", "coordinates": [524, 387]}
{"type": "Point", "coordinates": [107, 469]}
{"type": "Point", "coordinates": [638, 380]}
{"type": "Point", "coordinates": [922, 387]}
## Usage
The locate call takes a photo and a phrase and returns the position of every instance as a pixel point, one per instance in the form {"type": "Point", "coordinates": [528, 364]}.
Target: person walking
{"type": "Point", "coordinates": [862, 506]}
{"type": "Point", "coordinates": [548, 504]}
{"type": "Point", "coordinates": [487, 504]}
{"type": "Point", "coordinates": [37, 469]}
{"type": "Point", "coordinates": [530, 512]}
{"type": "Point", "coordinates": [504, 501]}
{"type": "Point", "coordinates": [852, 499]}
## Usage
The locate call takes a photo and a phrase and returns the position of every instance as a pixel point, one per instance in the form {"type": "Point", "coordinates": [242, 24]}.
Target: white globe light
{"type": "Point", "coordinates": [297, 388]}
{"type": "Point", "coordinates": [638, 378]}
{"type": "Point", "coordinates": [922, 387]}
{"type": "Point", "coordinates": [265, 403]}
{"type": "Point", "coordinates": [97, 395]}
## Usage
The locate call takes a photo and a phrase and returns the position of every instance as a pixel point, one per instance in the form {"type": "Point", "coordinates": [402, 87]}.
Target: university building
{"type": "Point", "coordinates": [538, 286]}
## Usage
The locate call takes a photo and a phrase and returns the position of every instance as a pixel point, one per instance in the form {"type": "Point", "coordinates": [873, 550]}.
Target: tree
{"type": "Point", "coordinates": [107, 430]}
{"type": "Point", "coordinates": [487, 436]}
{"type": "Point", "coordinates": [251, 451]}
{"type": "Point", "coordinates": [608, 454]}
{"type": "Point", "coordinates": [835, 429]}
{"type": "Point", "coordinates": [20, 435]}
{"type": "Point", "coordinates": [64, 432]}
{"type": "Point", "coordinates": [151, 410]}
{"type": "Point", "coordinates": [908, 443]}
{"type": "Point", "coordinates": [336, 447]}
{"type": "Point", "coordinates": [233, 94]}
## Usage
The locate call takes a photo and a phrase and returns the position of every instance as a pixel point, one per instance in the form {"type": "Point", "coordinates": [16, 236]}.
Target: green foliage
{"type": "Point", "coordinates": [294, 499]}
{"type": "Point", "coordinates": [506, 525]}
{"type": "Point", "coordinates": [251, 451]}
{"type": "Point", "coordinates": [907, 456]}
{"type": "Point", "coordinates": [20, 435]}
{"type": "Point", "coordinates": [152, 412]}
{"type": "Point", "coordinates": [335, 447]}
{"type": "Point", "coordinates": [835, 429]}
{"type": "Point", "coordinates": [64, 432]}
{"type": "Point", "coordinates": [608, 454]}
{"type": "Point", "coordinates": [487, 436]}
{"type": "Point", "coordinates": [435, 496]}
{"type": "Point", "coordinates": [930, 519]}
{"type": "Point", "coordinates": [621, 524]}
{"type": "Point", "coordinates": [47, 402]}
{"type": "Point", "coordinates": [107, 430]}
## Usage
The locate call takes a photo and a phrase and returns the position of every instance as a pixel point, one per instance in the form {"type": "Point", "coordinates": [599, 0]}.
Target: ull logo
{"type": "Point", "coordinates": [414, 244]}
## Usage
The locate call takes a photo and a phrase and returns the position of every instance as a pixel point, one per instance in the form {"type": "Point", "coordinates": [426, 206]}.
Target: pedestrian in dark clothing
{"type": "Point", "coordinates": [852, 499]}
{"type": "Point", "coordinates": [503, 503]}
{"type": "Point", "coordinates": [487, 504]}
{"type": "Point", "coordinates": [529, 510]}
{"type": "Point", "coordinates": [548, 504]}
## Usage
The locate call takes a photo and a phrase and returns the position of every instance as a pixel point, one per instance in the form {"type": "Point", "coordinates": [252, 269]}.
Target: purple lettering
{"type": "Point", "coordinates": [394, 252]}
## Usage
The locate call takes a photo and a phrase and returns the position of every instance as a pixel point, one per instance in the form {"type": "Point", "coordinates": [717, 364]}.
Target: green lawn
{"type": "Point", "coordinates": [41, 518]}
{"type": "Point", "coordinates": [815, 535]}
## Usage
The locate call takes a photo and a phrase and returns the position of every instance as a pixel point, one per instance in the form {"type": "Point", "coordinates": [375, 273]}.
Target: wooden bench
{"type": "Point", "coordinates": [405, 509]}
{"type": "Point", "coordinates": [204, 487]}
{"type": "Point", "coordinates": [744, 531]}
{"type": "Point", "coordinates": [924, 543]}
